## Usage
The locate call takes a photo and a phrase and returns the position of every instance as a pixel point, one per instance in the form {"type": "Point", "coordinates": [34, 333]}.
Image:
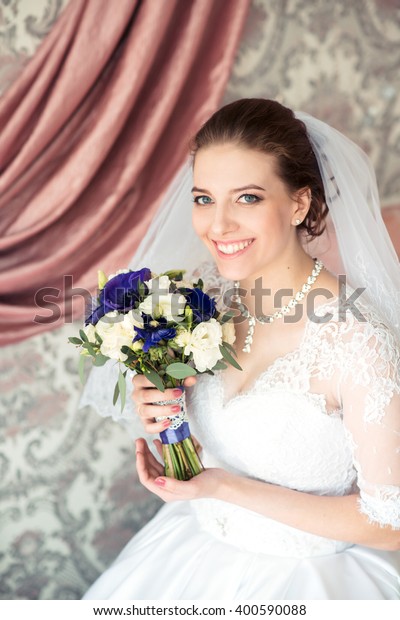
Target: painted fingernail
{"type": "Point", "coordinates": [177, 392]}
{"type": "Point", "coordinates": [175, 408]}
{"type": "Point", "coordinates": [166, 423]}
{"type": "Point", "coordinates": [160, 482]}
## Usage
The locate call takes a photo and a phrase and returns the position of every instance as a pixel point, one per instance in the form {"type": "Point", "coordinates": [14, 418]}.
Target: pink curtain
{"type": "Point", "coordinates": [91, 134]}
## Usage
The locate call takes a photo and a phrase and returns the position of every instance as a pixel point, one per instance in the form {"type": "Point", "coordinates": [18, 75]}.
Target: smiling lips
{"type": "Point", "coordinates": [233, 248]}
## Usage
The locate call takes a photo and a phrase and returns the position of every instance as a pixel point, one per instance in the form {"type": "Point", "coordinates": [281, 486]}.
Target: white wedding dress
{"type": "Point", "coordinates": [281, 431]}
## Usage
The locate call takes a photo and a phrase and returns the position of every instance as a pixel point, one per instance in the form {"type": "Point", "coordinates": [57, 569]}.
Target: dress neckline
{"type": "Point", "coordinates": [278, 360]}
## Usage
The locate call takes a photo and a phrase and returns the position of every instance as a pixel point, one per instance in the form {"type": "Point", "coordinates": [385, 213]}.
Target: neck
{"type": "Point", "coordinates": [266, 292]}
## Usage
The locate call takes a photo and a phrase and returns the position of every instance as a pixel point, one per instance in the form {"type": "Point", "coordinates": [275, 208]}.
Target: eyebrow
{"type": "Point", "coordinates": [238, 189]}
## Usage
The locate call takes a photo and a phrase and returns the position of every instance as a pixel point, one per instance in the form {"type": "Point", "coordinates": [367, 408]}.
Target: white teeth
{"type": "Point", "coordinates": [232, 248]}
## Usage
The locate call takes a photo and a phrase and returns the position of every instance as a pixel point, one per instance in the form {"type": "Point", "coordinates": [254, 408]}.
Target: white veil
{"type": "Point", "coordinates": [367, 255]}
{"type": "Point", "coordinates": [169, 243]}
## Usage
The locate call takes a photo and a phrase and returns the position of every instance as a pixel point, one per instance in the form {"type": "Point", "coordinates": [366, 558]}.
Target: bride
{"type": "Point", "coordinates": [300, 497]}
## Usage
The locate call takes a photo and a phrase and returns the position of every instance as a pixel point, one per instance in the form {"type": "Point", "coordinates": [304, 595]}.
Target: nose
{"type": "Point", "coordinates": [223, 221]}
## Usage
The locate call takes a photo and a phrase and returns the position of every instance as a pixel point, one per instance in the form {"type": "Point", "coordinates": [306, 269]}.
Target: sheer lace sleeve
{"type": "Point", "coordinates": [370, 391]}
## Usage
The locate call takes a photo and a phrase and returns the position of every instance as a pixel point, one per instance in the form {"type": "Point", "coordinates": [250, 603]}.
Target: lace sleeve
{"type": "Point", "coordinates": [370, 392]}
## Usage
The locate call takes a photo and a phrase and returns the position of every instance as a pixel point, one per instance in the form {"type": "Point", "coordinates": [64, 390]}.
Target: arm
{"type": "Point", "coordinates": [332, 517]}
{"type": "Point", "coordinates": [371, 406]}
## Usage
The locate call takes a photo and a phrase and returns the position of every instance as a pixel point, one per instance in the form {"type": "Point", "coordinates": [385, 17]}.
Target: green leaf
{"type": "Point", "coordinates": [229, 347]}
{"type": "Point", "coordinates": [98, 338]}
{"type": "Point", "coordinates": [116, 392]}
{"type": "Point", "coordinates": [175, 274]}
{"type": "Point", "coordinates": [141, 289]}
{"type": "Point", "coordinates": [100, 359]}
{"type": "Point", "coordinates": [174, 346]}
{"type": "Point", "coordinates": [101, 279]}
{"type": "Point", "coordinates": [81, 369]}
{"type": "Point", "coordinates": [177, 370]}
{"type": "Point", "coordinates": [229, 357]}
{"type": "Point", "coordinates": [131, 355]}
{"type": "Point", "coordinates": [83, 335]}
{"type": "Point", "coordinates": [227, 317]}
{"type": "Point", "coordinates": [89, 347]}
{"type": "Point", "coordinates": [75, 340]}
{"type": "Point", "coordinates": [122, 388]}
{"type": "Point", "coordinates": [155, 378]}
{"type": "Point", "coordinates": [220, 365]}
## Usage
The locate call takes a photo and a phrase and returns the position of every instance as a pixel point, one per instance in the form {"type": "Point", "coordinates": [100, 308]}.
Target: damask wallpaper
{"type": "Point", "coordinates": [339, 61]}
{"type": "Point", "coordinates": [69, 496]}
{"type": "Point", "coordinates": [23, 25]}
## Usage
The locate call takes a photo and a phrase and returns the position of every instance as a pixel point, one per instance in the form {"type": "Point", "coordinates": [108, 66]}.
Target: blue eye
{"type": "Point", "coordinates": [198, 200]}
{"type": "Point", "coordinates": [253, 199]}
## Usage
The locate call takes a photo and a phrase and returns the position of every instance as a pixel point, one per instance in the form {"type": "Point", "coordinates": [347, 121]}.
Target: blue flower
{"type": "Point", "coordinates": [202, 305]}
{"type": "Point", "coordinates": [121, 293]}
{"type": "Point", "coordinates": [153, 331]}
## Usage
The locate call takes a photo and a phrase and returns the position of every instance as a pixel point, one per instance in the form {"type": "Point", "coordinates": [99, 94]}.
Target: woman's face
{"type": "Point", "coordinates": [242, 210]}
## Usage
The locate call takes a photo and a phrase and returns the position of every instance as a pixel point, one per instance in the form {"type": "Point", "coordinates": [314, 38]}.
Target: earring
{"type": "Point", "coordinates": [298, 222]}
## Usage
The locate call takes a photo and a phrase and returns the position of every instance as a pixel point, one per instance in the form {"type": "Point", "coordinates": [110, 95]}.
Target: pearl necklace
{"type": "Point", "coordinates": [269, 318]}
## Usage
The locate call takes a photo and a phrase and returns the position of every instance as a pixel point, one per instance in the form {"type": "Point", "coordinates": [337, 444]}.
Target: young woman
{"type": "Point", "coordinates": [300, 497]}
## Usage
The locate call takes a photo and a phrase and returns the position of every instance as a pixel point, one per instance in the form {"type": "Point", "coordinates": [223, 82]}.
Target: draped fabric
{"type": "Point", "coordinates": [91, 133]}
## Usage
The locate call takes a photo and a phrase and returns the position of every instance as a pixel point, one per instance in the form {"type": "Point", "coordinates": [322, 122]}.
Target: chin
{"type": "Point", "coordinates": [232, 272]}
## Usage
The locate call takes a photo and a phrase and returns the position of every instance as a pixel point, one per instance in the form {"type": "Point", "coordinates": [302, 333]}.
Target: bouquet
{"type": "Point", "coordinates": [167, 329]}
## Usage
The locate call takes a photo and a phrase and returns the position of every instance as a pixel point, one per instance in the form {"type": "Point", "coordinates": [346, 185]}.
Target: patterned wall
{"type": "Point", "coordinates": [339, 61]}
{"type": "Point", "coordinates": [23, 25]}
{"type": "Point", "coordinates": [69, 496]}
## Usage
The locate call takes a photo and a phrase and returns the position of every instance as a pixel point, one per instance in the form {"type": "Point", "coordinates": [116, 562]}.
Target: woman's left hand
{"type": "Point", "coordinates": [151, 475]}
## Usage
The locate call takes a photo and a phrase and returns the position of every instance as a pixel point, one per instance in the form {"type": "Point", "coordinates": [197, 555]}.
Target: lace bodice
{"type": "Point", "coordinates": [281, 431]}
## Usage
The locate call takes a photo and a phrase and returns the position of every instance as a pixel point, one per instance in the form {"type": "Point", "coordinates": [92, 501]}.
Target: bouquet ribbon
{"type": "Point", "coordinates": [175, 435]}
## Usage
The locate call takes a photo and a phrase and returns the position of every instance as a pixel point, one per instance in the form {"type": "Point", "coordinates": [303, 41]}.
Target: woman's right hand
{"type": "Point", "coordinates": [144, 393]}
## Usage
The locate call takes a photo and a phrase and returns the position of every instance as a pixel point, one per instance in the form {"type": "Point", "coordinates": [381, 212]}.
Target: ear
{"type": "Point", "coordinates": [302, 202]}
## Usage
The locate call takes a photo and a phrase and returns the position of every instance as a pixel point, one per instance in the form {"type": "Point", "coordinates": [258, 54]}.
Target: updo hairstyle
{"type": "Point", "coordinates": [269, 127]}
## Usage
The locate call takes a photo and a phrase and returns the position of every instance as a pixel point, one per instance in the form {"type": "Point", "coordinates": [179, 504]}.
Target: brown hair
{"type": "Point", "coordinates": [270, 127]}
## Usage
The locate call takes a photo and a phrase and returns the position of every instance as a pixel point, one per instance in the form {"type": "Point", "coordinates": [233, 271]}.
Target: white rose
{"type": "Point", "coordinates": [169, 306]}
{"type": "Point", "coordinates": [90, 333]}
{"type": "Point", "coordinates": [183, 339]}
{"type": "Point", "coordinates": [115, 333]}
{"type": "Point", "coordinates": [204, 345]}
{"type": "Point", "coordinates": [228, 332]}
{"type": "Point", "coordinates": [163, 283]}
{"type": "Point", "coordinates": [205, 360]}
{"type": "Point", "coordinates": [146, 305]}
{"type": "Point", "coordinates": [134, 318]}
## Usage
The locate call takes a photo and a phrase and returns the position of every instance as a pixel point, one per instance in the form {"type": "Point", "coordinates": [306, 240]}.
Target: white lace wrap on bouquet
{"type": "Point", "coordinates": [177, 419]}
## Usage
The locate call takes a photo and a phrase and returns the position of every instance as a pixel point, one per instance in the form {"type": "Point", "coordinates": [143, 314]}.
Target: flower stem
{"type": "Point", "coordinates": [194, 459]}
